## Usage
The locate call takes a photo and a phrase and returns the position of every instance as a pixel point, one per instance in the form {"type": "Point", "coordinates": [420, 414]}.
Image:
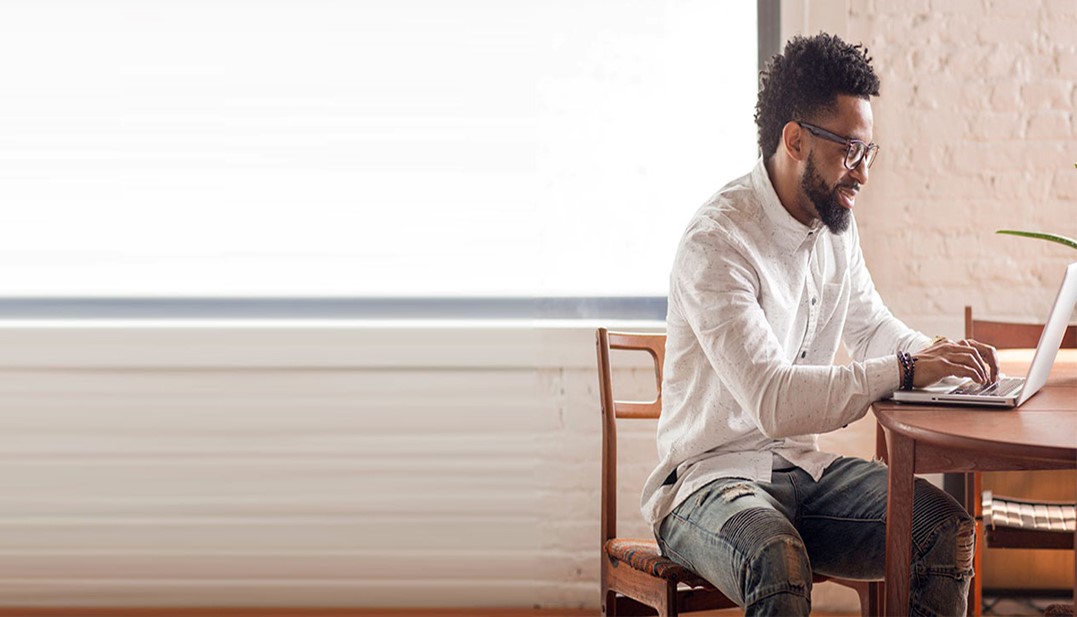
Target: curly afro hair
{"type": "Point", "coordinates": [804, 81]}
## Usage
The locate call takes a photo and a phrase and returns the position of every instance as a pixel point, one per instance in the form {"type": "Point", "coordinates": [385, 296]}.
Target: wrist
{"type": "Point", "coordinates": [907, 363]}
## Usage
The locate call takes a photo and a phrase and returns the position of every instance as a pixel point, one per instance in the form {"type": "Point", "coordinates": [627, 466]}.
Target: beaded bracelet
{"type": "Point", "coordinates": [908, 369]}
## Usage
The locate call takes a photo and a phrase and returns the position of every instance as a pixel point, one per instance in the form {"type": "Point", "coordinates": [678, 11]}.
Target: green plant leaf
{"type": "Point", "coordinates": [1070, 242]}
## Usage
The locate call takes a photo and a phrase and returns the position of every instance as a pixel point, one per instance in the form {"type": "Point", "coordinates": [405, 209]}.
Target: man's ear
{"type": "Point", "coordinates": [793, 142]}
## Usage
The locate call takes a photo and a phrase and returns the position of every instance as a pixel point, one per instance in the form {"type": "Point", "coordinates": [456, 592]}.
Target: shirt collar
{"type": "Point", "coordinates": [787, 232]}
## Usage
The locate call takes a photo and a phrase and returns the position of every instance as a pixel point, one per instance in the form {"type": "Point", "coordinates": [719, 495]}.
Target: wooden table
{"type": "Point", "coordinates": [1041, 434]}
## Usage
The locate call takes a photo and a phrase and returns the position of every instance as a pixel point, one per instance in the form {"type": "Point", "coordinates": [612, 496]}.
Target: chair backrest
{"type": "Point", "coordinates": [1007, 335]}
{"type": "Point", "coordinates": [612, 409]}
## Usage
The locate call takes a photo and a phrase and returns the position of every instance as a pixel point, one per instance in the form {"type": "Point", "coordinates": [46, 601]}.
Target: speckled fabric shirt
{"type": "Point", "coordinates": [758, 304]}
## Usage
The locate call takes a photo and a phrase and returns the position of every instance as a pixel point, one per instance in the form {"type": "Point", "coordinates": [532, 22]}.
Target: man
{"type": "Point", "coordinates": [768, 279]}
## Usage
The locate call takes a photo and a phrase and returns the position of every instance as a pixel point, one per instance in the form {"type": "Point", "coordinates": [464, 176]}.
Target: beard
{"type": "Point", "coordinates": [825, 199]}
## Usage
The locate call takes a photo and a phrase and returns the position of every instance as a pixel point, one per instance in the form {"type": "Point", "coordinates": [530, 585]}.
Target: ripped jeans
{"type": "Point", "coordinates": [759, 542]}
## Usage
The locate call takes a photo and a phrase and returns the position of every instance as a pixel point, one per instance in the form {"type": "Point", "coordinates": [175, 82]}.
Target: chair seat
{"type": "Point", "coordinates": [1014, 513]}
{"type": "Point", "coordinates": [643, 555]}
{"type": "Point", "coordinates": [1014, 523]}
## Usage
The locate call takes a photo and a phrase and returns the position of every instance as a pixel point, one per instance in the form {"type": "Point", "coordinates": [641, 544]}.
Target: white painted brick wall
{"type": "Point", "coordinates": [978, 130]}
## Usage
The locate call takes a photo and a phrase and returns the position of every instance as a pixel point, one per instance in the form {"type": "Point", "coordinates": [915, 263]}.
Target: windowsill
{"type": "Point", "coordinates": [333, 308]}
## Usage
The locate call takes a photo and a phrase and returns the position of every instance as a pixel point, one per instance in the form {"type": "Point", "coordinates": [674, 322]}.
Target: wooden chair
{"type": "Point", "coordinates": [1006, 335]}
{"type": "Point", "coordinates": [998, 534]}
{"type": "Point", "coordinates": [635, 578]}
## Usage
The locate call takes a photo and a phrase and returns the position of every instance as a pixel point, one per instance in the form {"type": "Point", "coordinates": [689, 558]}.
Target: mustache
{"type": "Point", "coordinates": [854, 186]}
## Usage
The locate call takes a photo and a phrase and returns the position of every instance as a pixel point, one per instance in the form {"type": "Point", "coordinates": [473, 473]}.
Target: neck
{"type": "Point", "coordinates": [783, 175]}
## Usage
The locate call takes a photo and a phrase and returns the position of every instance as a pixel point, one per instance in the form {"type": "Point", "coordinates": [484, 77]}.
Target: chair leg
{"type": "Point", "coordinates": [668, 601]}
{"type": "Point", "coordinates": [609, 602]}
{"type": "Point", "coordinates": [863, 591]}
{"type": "Point", "coordinates": [973, 488]}
{"type": "Point", "coordinates": [875, 599]}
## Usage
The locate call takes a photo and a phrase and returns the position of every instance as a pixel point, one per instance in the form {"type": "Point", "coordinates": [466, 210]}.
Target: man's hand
{"type": "Point", "coordinates": [967, 358]}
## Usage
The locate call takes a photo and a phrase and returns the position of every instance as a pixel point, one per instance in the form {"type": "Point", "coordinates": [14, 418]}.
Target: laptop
{"type": "Point", "coordinates": [1008, 391]}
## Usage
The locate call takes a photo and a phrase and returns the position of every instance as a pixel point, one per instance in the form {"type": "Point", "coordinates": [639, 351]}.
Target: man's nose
{"type": "Point", "coordinates": [860, 172]}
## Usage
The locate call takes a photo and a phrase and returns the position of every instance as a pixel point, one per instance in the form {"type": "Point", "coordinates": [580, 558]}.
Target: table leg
{"type": "Point", "coordinates": [973, 489]}
{"type": "Point", "coordinates": [902, 451]}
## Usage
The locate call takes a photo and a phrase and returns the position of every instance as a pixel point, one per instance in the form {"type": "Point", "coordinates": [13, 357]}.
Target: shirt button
{"type": "Point", "coordinates": [803, 354]}
{"type": "Point", "coordinates": [813, 300]}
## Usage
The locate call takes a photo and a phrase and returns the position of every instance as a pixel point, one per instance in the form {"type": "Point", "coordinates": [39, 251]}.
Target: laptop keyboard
{"type": "Point", "coordinates": [1002, 387]}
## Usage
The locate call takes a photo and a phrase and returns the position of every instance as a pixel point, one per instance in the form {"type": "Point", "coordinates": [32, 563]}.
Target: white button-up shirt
{"type": "Point", "coordinates": [758, 304]}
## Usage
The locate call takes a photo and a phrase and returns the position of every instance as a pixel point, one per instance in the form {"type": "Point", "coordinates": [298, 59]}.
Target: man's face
{"type": "Point", "coordinates": [828, 202]}
{"type": "Point", "coordinates": [827, 184]}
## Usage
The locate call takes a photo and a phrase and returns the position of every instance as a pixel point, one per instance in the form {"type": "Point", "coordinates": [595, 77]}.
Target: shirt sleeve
{"type": "Point", "coordinates": [715, 288]}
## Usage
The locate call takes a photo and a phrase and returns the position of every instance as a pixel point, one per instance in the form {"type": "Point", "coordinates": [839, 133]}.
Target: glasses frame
{"type": "Point", "coordinates": [869, 152]}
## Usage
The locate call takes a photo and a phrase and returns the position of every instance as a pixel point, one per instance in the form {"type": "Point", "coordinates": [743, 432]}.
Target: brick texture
{"type": "Point", "coordinates": [978, 131]}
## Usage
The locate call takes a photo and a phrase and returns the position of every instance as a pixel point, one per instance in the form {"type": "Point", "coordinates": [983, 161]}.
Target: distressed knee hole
{"type": "Point", "coordinates": [789, 548]}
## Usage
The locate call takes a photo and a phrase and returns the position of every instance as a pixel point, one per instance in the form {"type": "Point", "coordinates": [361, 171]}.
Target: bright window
{"type": "Point", "coordinates": [405, 148]}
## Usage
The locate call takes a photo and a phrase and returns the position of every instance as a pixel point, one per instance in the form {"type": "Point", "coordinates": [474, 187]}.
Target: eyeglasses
{"type": "Point", "coordinates": [856, 150]}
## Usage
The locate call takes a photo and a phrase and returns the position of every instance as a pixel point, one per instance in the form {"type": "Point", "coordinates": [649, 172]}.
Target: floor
{"type": "Point", "coordinates": [365, 612]}
{"type": "Point", "coordinates": [1008, 606]}
{"type": "Point", "coordinates": [335, 613]}
{"type": "Point", "coordinates": [1018, 607]}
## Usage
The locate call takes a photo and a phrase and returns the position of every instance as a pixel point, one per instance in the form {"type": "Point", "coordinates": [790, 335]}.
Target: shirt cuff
{"type": "Point", "coordinates": [883, 376]}
{"type": "Point", "coordinates": [920, 343]}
